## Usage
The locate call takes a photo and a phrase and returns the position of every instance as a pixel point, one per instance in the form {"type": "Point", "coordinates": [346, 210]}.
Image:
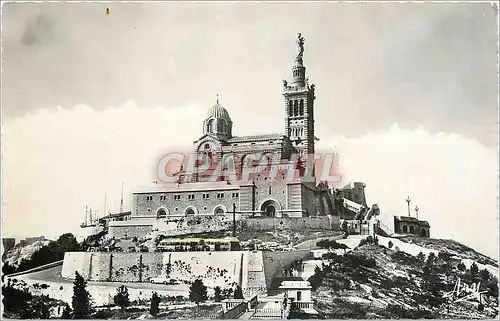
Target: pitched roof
{"type": "Point", "coordinates": [112, 215]}
{"type": "Point", "coordinates": [412, 219]}
{"type": "Point", "coordinates": [242, 139]}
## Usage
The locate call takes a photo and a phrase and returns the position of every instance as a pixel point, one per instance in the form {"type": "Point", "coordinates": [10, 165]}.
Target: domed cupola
{"type": "Point", "coordinates": [218, 122]}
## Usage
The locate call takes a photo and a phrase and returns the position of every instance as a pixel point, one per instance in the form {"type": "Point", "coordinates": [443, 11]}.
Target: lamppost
{"type": "Point", "coordinates": [416, 211]}
{"type": "Point", "coordinates": [408, 200]}
{"type": "Point", "coordinates": [234, 219]}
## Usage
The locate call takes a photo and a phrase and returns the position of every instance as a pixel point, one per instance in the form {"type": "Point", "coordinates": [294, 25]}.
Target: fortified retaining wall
{"type": "Point", "coordinates": [276, 262]}
{"type": "Point", "coordinates": [253, 271]}
{"type": "Point", "coordinates": [292, 223]}
{"type": "Point", "coordinates": [215, 268]}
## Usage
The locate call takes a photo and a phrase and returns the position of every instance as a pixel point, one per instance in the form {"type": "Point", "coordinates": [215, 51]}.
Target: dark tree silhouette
{"type": "Point", "coordinates": [421, 257]}
{"type": "Point", "coordinates": [8, 269]}
{"type": "Point", "coordinates": [15, 300]}
{"type": "Point", "coordinates": [121, 298]}
{"type": "Point", "coordinates": [155, 304]}
{"type": "Point", "coordinates": [39, 309]}
{"type": "Point", "coordinates": [198, 292]}
{"type": "Point", "coordinates": [67, 243]}
{"type": "Point", "coordinates": [217, 294]}
{"type": "Point", "coordinates": [474, 270]}
{"type": "Point", "coordinates": [81, 298]}
{"type": "Point", "coordinates": [238, 293]}
{"type": "Point", "coordinates": [66, 314]}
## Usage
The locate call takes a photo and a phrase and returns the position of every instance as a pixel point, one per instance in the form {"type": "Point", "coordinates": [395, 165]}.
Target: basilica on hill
{"type": "Point", "coordinates": [265, 194]}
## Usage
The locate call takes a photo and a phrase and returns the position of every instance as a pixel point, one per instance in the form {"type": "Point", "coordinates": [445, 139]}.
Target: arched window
{"type": "Point", "coordinates": [301, 107]}
{"type": "Point", "coordinates": [190, 211]}
{"type": "Point", "coordinates": [219, 210]}
{"type": "Point", "coordinates": [210, 126]}
{"type": "Point", "coordinates": [405, 229]}
{"type": "Point", "coordinates": [161, 213]}
{"type": "Point", "coordinates": [295, 108]}
{"type": "Point", "coordinates": [412, 230]}
{"type": "Point", "coordinates": [290, 108]}
{"type": "Point", "coordinates": [423, 233]}
{"type": "Point", "coordinates": [221, 124]}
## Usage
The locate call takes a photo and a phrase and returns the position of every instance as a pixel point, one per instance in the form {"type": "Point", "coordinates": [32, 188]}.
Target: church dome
{"type": "Point", "coordinates": [217, 111]}
{"type": "Point", "coordinates": [218, 122]}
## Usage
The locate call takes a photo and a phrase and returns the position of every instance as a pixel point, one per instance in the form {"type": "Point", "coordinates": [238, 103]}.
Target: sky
{"type": "Point", "coordinates": [406, 94]}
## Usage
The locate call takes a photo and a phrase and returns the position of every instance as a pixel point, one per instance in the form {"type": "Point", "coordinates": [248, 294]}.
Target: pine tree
{"type": "Point", "coordinates": [217, 294]}
{"type": "Point", "coordinates": [238, 293]}
{"type": "Point", "coordinates": [66, 314]}
{"type": "Point", "coordinates": [198, 292]}
{"type": "Point", "coordinates": [121, 298]}
{"type": "Point", "coordinates": [81, 298]}
{"type": "Point", "coordinates": [421, 257]}
{"type": "Point", "coordinates": [155, 305]}
{"type": "Point", "coordinates": [474, 270]}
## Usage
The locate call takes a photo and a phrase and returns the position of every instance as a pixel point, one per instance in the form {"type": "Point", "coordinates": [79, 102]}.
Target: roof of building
{"type": "Point", "coordinates": [217, 111]}
{"type": "Point", "coordinates": [243, 139]}
{"type": "Point", "coordinates": [295, 285]}
{"type": "Point", "coordinates": [113, 215]}
{"type": "Point", "coordinates": [186, 187]}
{"type": "Point", "coordinates": [412, 219]}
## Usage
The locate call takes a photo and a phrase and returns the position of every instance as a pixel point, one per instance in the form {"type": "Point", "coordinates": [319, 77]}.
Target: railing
{"type": "Point", "coordinates": [304, 305]}
{"type": "Point", "coordinates": [231, 303]}
{"type": "Point", "coordinates": [236, 311]}
{"type": "Point", "coordinates": [268, 313]}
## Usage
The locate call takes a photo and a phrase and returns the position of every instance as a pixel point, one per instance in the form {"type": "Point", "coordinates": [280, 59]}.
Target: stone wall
{"type": "Point", "coordinates": [215, 268]}
{"type": "Point", "coordinates": [253, 271]}
{"type": "Point", "coordinates": [123, 231]}
{"type": "Point", "coordinates": [270, 190]}
{"type": "Point", "coordinates": [116, 267]}
{"type": "Point", "coordinates": [256, 278]}
{"type": "Point", "coordinates": [291, 223]}
{"type": "Point", "coordinates": [76, 261]}
{"type": "Point", "coordinates": [275, 262]}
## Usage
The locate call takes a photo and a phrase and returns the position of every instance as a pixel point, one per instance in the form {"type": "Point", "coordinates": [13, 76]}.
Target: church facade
{"type": "Point", "coordinates": [268, 192]}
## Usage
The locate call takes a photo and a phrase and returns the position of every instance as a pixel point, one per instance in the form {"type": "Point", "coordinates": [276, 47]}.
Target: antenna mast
{"type": "Point", "coordinates": [121, 202]}
{"type": "Point", "coordinates": [105, 199]}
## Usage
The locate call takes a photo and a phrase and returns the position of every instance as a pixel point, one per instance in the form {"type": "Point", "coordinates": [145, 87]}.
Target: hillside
{"type": "Point", "coordinates": [14, 256]}
{"type": "Point", "coordinates": [375, 281]}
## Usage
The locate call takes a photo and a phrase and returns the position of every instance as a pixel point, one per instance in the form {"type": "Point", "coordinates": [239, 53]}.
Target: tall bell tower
{"type": "Point", "coordinates": [299, 108]}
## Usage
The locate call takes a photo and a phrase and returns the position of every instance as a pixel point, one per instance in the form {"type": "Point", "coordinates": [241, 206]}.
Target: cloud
{"type": "Point", "coordinates": [40, 30]}
{"type": "Point", "coordinates": [58, 161]}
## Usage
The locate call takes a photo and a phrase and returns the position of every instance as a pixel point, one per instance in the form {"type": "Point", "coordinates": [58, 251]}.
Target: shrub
{"type": "Point", "coordinates": [198, 292]}
{"type": "Point", "coordinates": [121, 298]}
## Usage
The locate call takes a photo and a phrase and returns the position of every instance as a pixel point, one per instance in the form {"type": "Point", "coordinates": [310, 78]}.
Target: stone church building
{"type": "Point", "coordinates": [268, 193]}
